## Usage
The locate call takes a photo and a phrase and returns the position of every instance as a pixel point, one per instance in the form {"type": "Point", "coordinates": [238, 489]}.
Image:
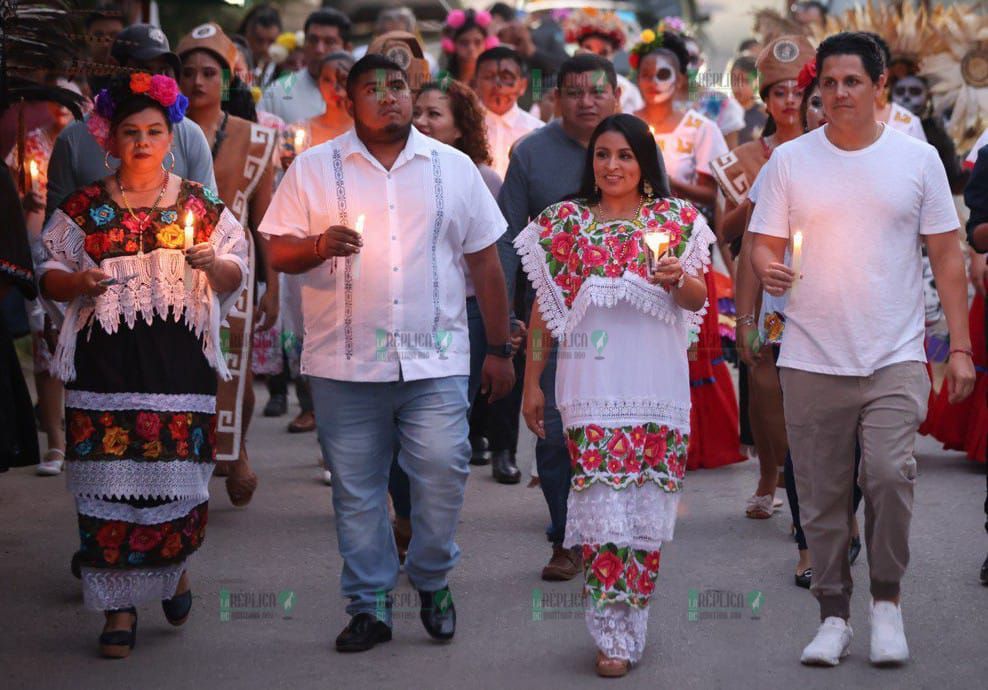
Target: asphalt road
{"type": "Point", "coordinates": [281, 550]}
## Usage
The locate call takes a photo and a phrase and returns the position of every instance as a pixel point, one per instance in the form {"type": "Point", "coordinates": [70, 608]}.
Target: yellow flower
{"type": "Point", "coordinates": [647, 36]}
{"type": "Point", "coordinates": [115, 440]}
{"type": "Point", "coordinates": [171, 237]}
{"type": "Point", "coordinates": [153, 449]}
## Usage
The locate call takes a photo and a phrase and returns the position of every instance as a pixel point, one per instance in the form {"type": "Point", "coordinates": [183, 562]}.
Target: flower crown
{"type": "Point", "coordinates": [159, 88]}
{"type": "Point", "coordinates": [590, 21]}
{"type": "Point", "coordinates": [652, 39]}
{"type": "Point", "coordinates": [461, 20]}
{"type": "Point", "coordinates": [807, 75]}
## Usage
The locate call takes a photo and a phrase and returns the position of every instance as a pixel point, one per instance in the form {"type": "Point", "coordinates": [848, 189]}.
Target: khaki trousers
{"type": "Point", "coordinates": [825, 414]}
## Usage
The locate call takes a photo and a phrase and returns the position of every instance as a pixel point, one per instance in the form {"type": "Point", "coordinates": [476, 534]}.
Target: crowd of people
{"type": "Point", "coordinates": [434, 248]}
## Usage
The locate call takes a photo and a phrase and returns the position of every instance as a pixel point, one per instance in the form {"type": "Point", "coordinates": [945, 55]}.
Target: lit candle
{"type": "Point", "coordinates": [299, 140]}
{"type": "Point", "coordinates": [359, 229]}
{"type": "Point", "coordinates": [797, 258]}
{"type": "Point", "coordinates": [189, 242]}
{"type": "Point", "coordinates": [33, 167]}
{"type": "Point", "coordinates": [657, 243]}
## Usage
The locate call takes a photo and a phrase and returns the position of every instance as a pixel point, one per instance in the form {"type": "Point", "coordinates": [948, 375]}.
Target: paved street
{"type": "Point", "coordinates": [281, 552]}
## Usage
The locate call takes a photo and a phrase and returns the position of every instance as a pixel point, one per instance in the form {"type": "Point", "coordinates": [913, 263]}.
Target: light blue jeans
{"type": "Point", "coordinates": [357, 423]}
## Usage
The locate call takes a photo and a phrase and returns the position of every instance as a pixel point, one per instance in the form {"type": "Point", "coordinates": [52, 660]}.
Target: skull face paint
{"type": "Point", "coordinates": [657, 77]}
{"type": "Point", "coordinates": [911, 93]}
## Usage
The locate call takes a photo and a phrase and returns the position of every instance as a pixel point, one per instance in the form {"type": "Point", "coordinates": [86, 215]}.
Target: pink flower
{"type": "Point", "coordinates": [594, 433]}
{"type": "Point", "coordinates": [491, 42]}
{"type": "Point", "coordinates": [607, 568]}
{"type": "Point", "coordinates": [565, 211]}
{"type": "Point", "coordinates": [456, 19]}
{"type": "Point", "coordinates": [99, 127]}
{"type": "Point", "coordinates": [614, 466]}
{"type": "Point", "coordinates": [483, 18]}
{"type": "Point", "coordinates": [631, 574]}
{"type": "Point", "coordinates": [163, 89]}
{"type": "Point", "coordinates": [655, 449]}
{"type": "Point", "coordinates": [646, 585]}
{"type": "Point", "coordinates": [632, 464]}
{"type": "Point", "coordinates": [148, 426]}
{"type": "Point", "coordinates": [614, 270]}
{"type": "Point", "coordinates": [638, 436]}
{"type": "Point", "coordinates": [591, 460]}
{"type": "Point", "coordinates": [562, 245]}
{"type": "Point", "coordinates": [629, 250]}
{"type": "Point", "coordinates": [447, 43]}
{"type": "Point", "coordinates": [619, 445]}
{"type": "Point", "coordinates": [574, 452]}
{"type": "Point", "coordinates": [594, 256]}
{"type": "Point", "coordinates": [652, 559]}
{"type": "Point", "coordinates": [687, 214]}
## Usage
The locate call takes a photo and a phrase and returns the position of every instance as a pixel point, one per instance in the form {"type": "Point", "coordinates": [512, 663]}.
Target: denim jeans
{"type": "Point", "coordinates": [357, 423]}
{"type": "Point", "coordinates": [552, 457]}
{"type": "Point", "coordinates": [398, 483]}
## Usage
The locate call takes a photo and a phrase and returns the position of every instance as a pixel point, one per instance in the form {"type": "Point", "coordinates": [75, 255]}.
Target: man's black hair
{"type": "Point", "coordinates": [503, 10]}
{"type": "Point", "coordinates": [499, 53]}
{"type": "Point", "coordinates": [886, 51]}
{"type": "Point", "coordinates": [587, 62]}
{"type": "Point", "coordinates": [107, 10]}
{"type": "Point", "coordinates": [853, 43]}
{"type": "Point", "coordinates": [327, 16]}
{"type": "Point", "coordinates": [371, 62]}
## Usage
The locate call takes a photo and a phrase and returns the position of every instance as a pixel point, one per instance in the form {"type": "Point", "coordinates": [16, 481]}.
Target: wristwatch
{"type": "Point", "coordinates": [505, 351]}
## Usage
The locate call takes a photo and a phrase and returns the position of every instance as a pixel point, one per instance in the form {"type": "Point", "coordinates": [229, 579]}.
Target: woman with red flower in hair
{"type": "Point", "coordinates": [621, 306]}
{"type": "Point", "coordinates": [147, 264]}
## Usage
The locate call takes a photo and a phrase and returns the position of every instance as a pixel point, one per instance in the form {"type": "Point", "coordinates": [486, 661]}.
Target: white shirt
{"type": "Point", "coordinates": [859, 306]}
{"type": "Point", "coordinates": [405, 314]}
{"type": "Point", "coordinates": [294, 97]}
{"type": "Point", "coordinates": [972, 157]}
{"type": "Point", "coordinates": [631, 97]}
{"type": "Point", "coordinates": [504, 130]}
{"type": "Point", "coordinates": [904, 121]}
{"type": "Point", "coordinates": [688, 149]}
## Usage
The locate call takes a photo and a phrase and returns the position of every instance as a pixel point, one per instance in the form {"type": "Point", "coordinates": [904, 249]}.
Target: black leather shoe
{"type": "Point", "coordinates": [178, 608]}
{"type": "Point", "coordinates": [503, 467]}
{"type": "Point", "coordinates": [362, 632]}
{"type": "Point", "coordinates": [480, 453]}
{"type": "Point", "coordinates": [117, 644]}
{"type": "Point", "coordinates": [438, 614]}
{"type": "Point", "coordinates": [853, 550]}
{"type": "Point", "coordinates": [277, 406]}
{"type": "Point", "coordinates": [984, 573]}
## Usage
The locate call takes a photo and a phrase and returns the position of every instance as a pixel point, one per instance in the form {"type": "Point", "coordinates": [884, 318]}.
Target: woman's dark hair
{"type": "Point", "coordinates": [240, 101]}
{"type": "Point", "coordinates": [853, 43]}
{"type": "Point", "coordinates": [642, 144]}
{"type": "Point", "coordinates": [587, 62]}
{"type": "Point", "coordinates": [468, 114]}
{"type": "Point", "coordinates": [470, 22]}
{"type": "Point", "coordinates": [674, 44]}
{"type": "Point", "coordinates": [501, 53]}
{"type": "Point", "coordinates": [126, 102]}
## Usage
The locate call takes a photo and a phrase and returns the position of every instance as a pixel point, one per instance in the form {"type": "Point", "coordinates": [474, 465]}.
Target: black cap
{"type": "Point", "coordinates": [143, 42]}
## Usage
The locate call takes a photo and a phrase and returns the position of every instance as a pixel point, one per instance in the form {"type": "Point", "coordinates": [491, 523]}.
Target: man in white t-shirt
{"type": "Point", "coordinates": [500, 80]}
{"type": "Point", "coordinates": [859, 199]}
{"type": "Point", "coordinates": [379, 221]}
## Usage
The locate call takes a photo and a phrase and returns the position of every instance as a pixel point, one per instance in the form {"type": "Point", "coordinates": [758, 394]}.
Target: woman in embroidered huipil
{"type": "Point", "coordinates": [622, 385]}
{"type": "Point", "coordinates": [137, 350]}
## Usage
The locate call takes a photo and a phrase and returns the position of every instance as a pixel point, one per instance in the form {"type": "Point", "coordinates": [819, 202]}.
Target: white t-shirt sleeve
{"type": "Point", "coordinates": [771, 215]}
{"type": "Point", "coordinates": [288, 213]}
{"type": "Point", "coordinates": [756, 185]}
{"type": "Point", "coordinates": [731, 118]}
{"type": "Point", "coordinates": [938, 213]}
{"type": "Point", "coordinates": [484, 223]}
{"type": "Point", "coordinates": [916, 129]}
{"type": "Point", "coordinates": [709, 146]}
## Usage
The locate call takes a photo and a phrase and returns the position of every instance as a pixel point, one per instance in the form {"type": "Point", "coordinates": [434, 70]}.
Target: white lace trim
{"type": "Point", "coordinates": [104, 589]}
{"type": "Point", "coordinates": [106, 510]}
{"type": "Point", "coordinates": [640, 517]}
{"type": "Point", "coordinates": [156, 402]}
{"type": "Point", "coordinates": [610, 412]}
{"type": "Point", "coordinates": [174, 479]}
{"type": "Point", "coordinates": [603, 291]}
{"type": "Point", "coordinates": [159, 289]}
{"type": "Point", "coordinates": [618, 630]}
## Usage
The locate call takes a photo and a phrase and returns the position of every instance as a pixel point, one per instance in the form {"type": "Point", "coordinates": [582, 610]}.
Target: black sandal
{"type": "Point", "coordinates": [117, 644]}
{"type": "Point", "coordinates": [177, 608]}
{"type": "Point", "coordinates": [853, 550]}
{"type": "Point", "coordinates": [804, 579]}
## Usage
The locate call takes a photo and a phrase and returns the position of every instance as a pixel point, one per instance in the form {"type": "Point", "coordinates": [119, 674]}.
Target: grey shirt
{"type": "Point", "coordinates": [545, 167]}
{"type": "Point", "coordinates": [78, 160]}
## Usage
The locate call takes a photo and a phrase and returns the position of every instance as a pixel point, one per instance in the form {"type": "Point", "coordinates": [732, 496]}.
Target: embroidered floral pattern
{"type": "Point", "coordinates": [622, 456]}
{"type": "Point", "coordinates": [112, 231]}
{"type": "Point", "coordinates": [140, 435]}
{"type": "Point", "coordinates": [619, 574]}
{"type": "Point", "coordinates": [578, 247]}
{"type": "Point", "coordinates": [119, 544]}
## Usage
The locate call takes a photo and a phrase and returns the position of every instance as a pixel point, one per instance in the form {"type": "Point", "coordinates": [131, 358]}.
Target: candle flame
{"type": "Point", "coordinates": [33, 166]}
{"type": "Point", "coordinates": [657, 241]}
{"type": "Point", "coordinates": [189, 219]}
{"type": "Point", "coordinates": [299, 138]}
{"type": "Point", "coordinates": [797, 240]}
{"type": "Point", "coordinates": [651, 130]}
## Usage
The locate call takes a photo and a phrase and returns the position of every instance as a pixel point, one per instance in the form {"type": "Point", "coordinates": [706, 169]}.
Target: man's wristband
{"type": "Point", "coordinates": [745, 320]}
{"type": "Point", "coordinates": [964, 351]}
{"type": "Point", "coordinates": [315, 249]}
{"type": "Point", "coordinates": [504, 351]}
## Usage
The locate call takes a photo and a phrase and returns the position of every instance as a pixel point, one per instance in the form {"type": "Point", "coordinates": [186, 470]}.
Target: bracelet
{"type": "Point", "coordinates": [964, 351]}
{"type": "Point", "coordinates": [315, 249]}
{"type": "Point", "coordinates": [745, 320]}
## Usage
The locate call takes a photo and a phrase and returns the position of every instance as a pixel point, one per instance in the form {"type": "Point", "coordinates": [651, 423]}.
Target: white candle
{"type": "Point", "coordinates": [189, 243]}
{"type": "Point", "coordinates": [657, 243]}
{"type": "Point", "coordinates": [359, 229]}
{"type": "Point", "coordinates": [299, 140]}
{"type": "Point", "coordinates": [33, 168]}
{"type": "Point", "coordinates": [797, 258]}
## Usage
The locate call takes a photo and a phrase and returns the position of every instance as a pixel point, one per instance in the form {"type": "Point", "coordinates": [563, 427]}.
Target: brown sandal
{"type": "Point", "coordinates": [609, 667]}
{"type": "Point", "coordinates": [240, 486]}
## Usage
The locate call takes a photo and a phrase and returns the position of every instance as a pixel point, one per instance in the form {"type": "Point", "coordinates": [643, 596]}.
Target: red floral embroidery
{"type": "Point", "coordinates": [622, 456]}
{"type": "Point", "coordinates": [607, 567]}
{"type": "Point", "coordinates": [144, 538]}
{"type": "Point", "coordinates": [112, 534]}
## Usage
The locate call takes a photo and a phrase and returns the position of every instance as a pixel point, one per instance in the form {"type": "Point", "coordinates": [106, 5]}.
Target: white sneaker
{"type": "Point", "coordinates": [830, 645]}
{"type": "Point", "coordinates": [327, 477]}
{"type": "Point", "coordinates": [888, 639]}
{"type": "Point", "coordinates": [51, 467]}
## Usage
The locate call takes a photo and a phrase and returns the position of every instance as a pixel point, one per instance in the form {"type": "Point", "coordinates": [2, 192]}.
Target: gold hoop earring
{"type": "Point", "coordinates": [106, 161]}
{"type": "Point", "coordinates": [647, 188]}
{"type": "Point", "coordinates": [172, 166]}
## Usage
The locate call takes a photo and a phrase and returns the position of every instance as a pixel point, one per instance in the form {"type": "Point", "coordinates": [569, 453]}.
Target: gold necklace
{"type": "Point", "coordinates": [123, 195]}
{"type": "Point", "coordinates": [600, 212]}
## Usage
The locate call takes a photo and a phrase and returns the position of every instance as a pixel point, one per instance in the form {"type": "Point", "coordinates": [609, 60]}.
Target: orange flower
{"type": "Point", "coordinates": [140, 82]}
{"type": "Point", "coordinates": [153, 449]}
{"type": "Point", "coordinates": [172, 545]}
{"type": "Point", "coordinates": [171, 237]}
{"type": "Point", "coordinates": [111, 556]}
{"type": "Point", "coordinates": [115, 440]}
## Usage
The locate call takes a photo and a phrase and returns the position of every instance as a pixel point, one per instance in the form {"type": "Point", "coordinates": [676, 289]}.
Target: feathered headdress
{"type": "Point", "coordinates": [590, 22]}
